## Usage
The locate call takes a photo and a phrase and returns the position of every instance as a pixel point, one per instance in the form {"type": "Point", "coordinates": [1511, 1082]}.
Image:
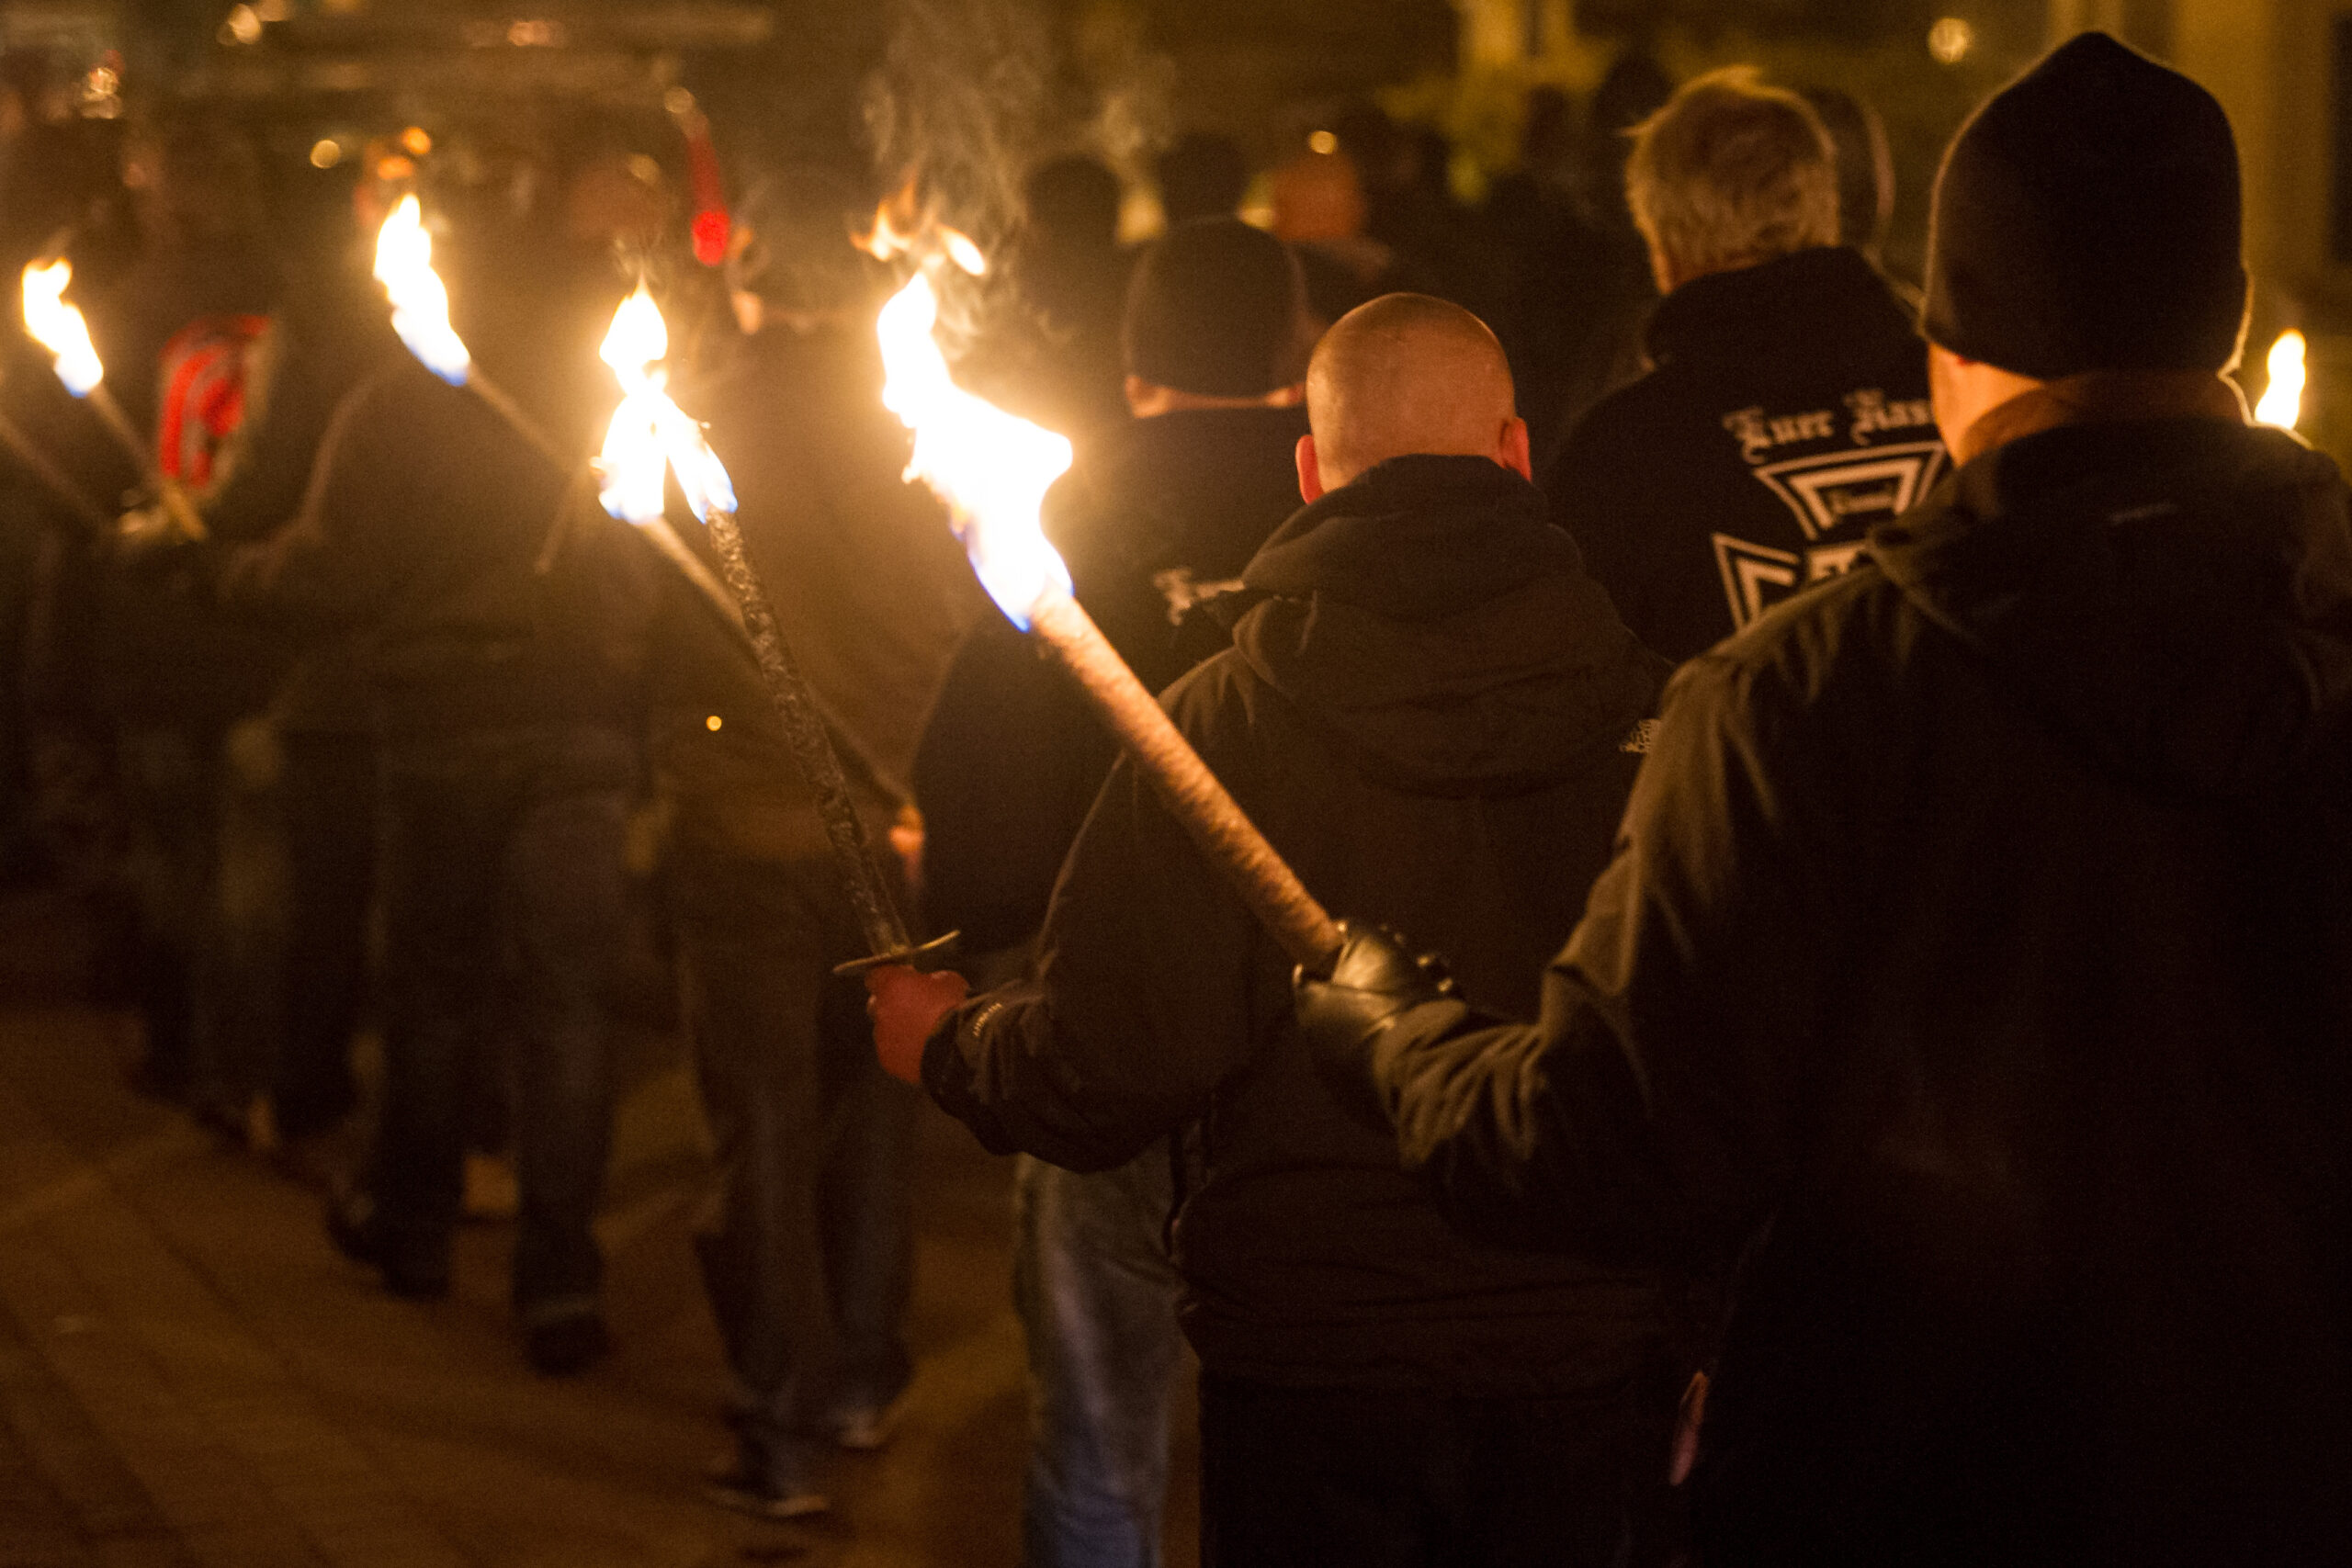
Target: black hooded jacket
{"type": "Point", "coordinates": [1978, 960]}
{"type": "Point", "coordinates": [1428, 711]}
{"type": "Point", "coordinates": [1785, 413]}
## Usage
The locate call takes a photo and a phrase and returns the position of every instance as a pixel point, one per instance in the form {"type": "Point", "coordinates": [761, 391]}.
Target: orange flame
{"type": "Point", "coordinates": [992, 469]}
{"type": "Point", "coordinates": [649, 435]}
{"type": "Point", "coordinates": [60, 327]}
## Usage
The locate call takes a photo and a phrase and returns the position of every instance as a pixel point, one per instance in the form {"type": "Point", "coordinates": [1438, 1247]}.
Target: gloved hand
{"type": "Point", "coordinates": [906, 1006]}
{"type": "Point", "coordinates": [1374, 980]}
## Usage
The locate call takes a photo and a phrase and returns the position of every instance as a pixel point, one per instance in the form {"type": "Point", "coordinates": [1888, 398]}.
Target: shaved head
{"type": "Point", "coordinates": [1403, 375]}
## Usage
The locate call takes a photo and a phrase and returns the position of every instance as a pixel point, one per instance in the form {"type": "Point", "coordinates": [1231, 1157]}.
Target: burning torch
{"type": "Point", "coordinates": [421, 316]}
{"type": "Point", "coordinates": [59, 328]}
{"type": "Point", "coordinates": [993, 469]}
{"type": "Point", "coordinates": [650, 437]}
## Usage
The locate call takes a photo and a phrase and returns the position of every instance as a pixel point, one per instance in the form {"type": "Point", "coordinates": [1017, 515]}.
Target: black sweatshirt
{"type": "Point", "coordinates": [1785, 414]}
{"type": "Point", "coordinates": [1429, 712]}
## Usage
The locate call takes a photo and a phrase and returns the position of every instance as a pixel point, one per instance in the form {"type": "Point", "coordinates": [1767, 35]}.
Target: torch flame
{"type": "Point", "coordinates": [992, 469]}
{"type": "Point", "coordinates": [650, 434]}
{"type": "Point", "coordinates": [420, 302]}
{"type": "Point", "coordinates": [59, 326]}
{"type": "Point", "coordinates": [2283, 402]}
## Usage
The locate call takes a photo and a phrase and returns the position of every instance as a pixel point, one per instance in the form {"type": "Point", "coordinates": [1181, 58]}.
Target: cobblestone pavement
{"type": "Point", "coordinates": [190, 1376]}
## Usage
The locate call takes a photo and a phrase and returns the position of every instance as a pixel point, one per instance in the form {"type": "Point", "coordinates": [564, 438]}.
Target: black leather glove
{"type": "Point", "coordinates": [1374, 981]}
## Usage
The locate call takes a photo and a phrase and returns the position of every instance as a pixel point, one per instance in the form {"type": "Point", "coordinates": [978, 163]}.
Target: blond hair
{"type": "Point", "coordinates": [1731, 171]}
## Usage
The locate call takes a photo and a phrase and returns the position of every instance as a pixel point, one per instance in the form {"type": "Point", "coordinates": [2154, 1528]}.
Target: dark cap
{"type": "Point", "coordinates": [2087, 218]}
{"type": "Point", "coordinates": [1215, 309]}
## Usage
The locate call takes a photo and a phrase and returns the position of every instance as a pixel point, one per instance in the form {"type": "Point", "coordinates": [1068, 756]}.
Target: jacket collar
{"type": "Point", "coordinates": [2104, 397]}
{"type": "Point", "coordinates": [1774, 307]}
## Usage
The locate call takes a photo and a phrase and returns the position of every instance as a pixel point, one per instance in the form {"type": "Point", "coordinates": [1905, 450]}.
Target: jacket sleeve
{"type": "Point", "coordinates": [1148, 989]}
{"type": "Point", "coordinates": [310, 575]}
{"type": "Point", "coordinates": [1655, 1105]}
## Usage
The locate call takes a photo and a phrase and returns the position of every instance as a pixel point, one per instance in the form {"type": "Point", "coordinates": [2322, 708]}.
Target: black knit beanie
{"type": "Point", "coordinates": [1215, 309]}
{"type": "Point", "coordinates": [2087, 218]}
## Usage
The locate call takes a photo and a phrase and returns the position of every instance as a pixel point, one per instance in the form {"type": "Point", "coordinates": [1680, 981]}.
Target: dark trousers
{"type": "Point", "coordinates": [807, 1250]}
{"type": "Point", "coordinates": [330, 815]}
{"type": "Point", "coordinates": [503, 843]}
{"type": "Point", "coordinates": [171, 782]}
{"type": "Point", "coordinates": [1298, 1478]}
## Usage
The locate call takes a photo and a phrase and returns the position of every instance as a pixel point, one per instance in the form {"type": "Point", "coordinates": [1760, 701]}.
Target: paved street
{"type": "Point", "coordinates": [188, 1375]}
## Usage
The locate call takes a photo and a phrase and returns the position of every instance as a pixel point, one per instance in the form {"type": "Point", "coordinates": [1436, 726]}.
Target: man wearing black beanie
{"type": "Point", "coordinates": [1973, 967]}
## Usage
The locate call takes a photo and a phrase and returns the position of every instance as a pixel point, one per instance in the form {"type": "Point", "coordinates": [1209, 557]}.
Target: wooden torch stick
{"type": "Point", "coordinates": [1208, 811]}
{"type": "Point", "coordinates": [808, 738]}
{"type": "Point", "coordinates": [39, 464]}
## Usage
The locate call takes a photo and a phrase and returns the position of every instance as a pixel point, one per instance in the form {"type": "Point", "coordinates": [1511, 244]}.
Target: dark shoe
{"type": "Point", "coordinates": [411, 1273]}
{"type": "Point", "coordinates": [766, 1482]}
{"type": "Point", "coordinates": [563, 1346]}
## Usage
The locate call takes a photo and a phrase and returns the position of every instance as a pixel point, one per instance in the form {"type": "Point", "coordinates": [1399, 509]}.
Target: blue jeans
{"type": "Point", "coordinates": [1096, 1295]}
{"type": "Point", "coordinates": [807, 1250]}
{"type": "Point", "coordinates": [502, 869]}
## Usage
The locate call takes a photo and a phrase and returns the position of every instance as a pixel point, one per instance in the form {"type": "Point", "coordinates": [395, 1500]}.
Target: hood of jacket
{"type": "Point", "coordinates": [1432, 622]}
{"type": "Point", "coordinates": [2173, 594]}
{"type": "Point", "coordinates": [1782, 309]}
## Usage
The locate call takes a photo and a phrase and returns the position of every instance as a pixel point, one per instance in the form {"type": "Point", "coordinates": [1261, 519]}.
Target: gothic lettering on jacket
{"type": "Point", "coordinates": [1841, 492]}
{"type": "Point", "coordinates": [1784, 414]}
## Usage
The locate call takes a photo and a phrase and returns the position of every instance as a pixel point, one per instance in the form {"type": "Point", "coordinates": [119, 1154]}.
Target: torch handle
{"type": "Point", "coordinates": [1208, 811]}
{"type": "Point", "coordinates": [516, 416]}
{"type": "Point", "coordinates": [804, 732]}
{"type": "Point", "coordinates": [38, 462]}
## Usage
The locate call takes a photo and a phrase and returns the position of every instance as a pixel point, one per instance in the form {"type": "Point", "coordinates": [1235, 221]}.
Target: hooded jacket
{"type": "Point", "coordinates": [1977, 962]}
{"type": "Point", "coordinates": [1428, 709]}
{"type": "Point", "coordinates": [1785, 413]}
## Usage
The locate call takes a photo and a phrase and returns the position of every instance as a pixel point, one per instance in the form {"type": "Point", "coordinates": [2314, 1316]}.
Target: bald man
{"type": "Point", "coordinates": [1433, 714]}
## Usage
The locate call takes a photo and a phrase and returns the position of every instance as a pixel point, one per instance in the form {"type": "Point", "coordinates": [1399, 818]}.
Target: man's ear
{"type": "Point", "coordinates": [1512, 450]}
{"type": "Point", "coordinates": [1310, 471]}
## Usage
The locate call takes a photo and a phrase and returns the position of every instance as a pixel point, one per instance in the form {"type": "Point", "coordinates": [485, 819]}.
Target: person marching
{"type": "Point", "coordinates": [1431, 710]}
{"type": "Point", "coordinates": [1786, 406]}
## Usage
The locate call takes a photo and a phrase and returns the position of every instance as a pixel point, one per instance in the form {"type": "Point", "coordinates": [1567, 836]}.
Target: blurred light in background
{"type": "Point", "coordinates": [2282, 400]}
{"type": "Point", "coordinates": [1951, 39]}
{"type": "Point", "coordinates": [1324, 141]}
{"type": "Point", "coordinates": [325, 154]}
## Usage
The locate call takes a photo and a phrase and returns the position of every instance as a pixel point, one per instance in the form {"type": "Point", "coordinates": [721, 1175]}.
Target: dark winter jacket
{"type": "Point", "coordinates": [1787, 412]}
{"type": "Point", "coordinates": [1161, 514]}
{"type": "Point", "coordinates": [1430, 713]}
{"type": "Point", "coordinates": [422, 532]}
{"type": "Point", "coordinates": [869, 589]}
{"type": "Point", "coordinates": [1978, 961]}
